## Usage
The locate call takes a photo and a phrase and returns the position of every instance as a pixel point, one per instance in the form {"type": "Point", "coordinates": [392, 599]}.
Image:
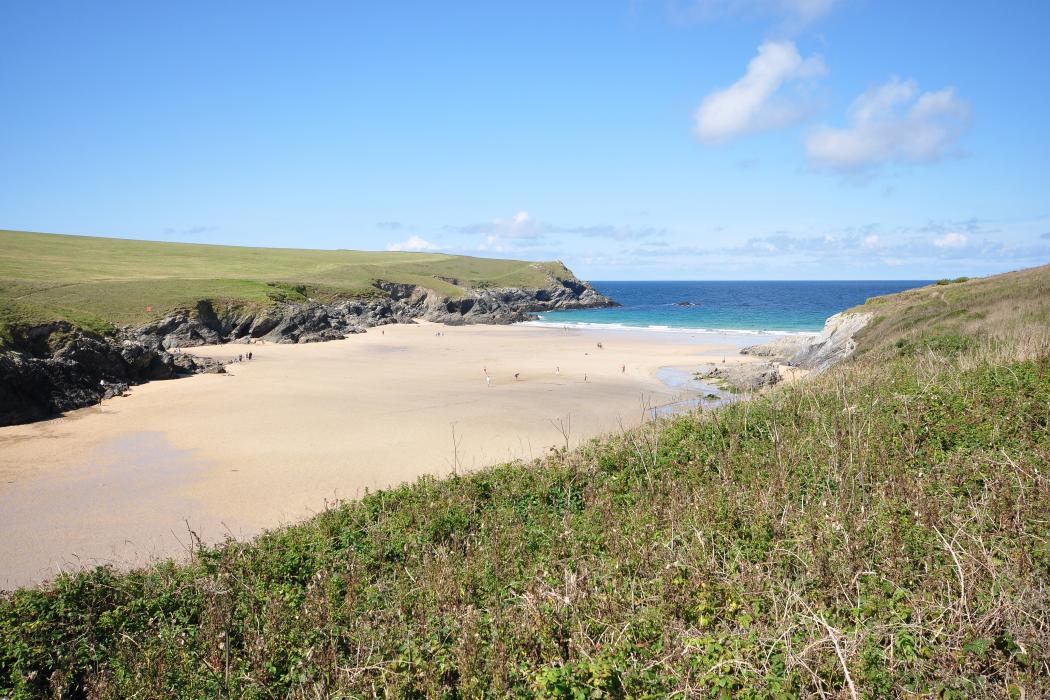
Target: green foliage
{"type": "Point", "coordinates": [899, 515]}
{"type": "Point", "coordinates": [943, 344]}
{"type": "Point", "coordinates": [886, 525]}
{"type": "Point", "coordinates": [945, 281]}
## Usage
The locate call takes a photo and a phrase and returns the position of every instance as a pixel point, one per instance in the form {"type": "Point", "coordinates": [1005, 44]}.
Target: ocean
{"type": "Point", "coordinates": [747, 307]}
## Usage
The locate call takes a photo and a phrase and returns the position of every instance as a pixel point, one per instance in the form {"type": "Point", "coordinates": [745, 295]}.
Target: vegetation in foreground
{"type": "Point", "coordinates": [97, 283]}
{"type": "Point", "coordinates": [881, 531]}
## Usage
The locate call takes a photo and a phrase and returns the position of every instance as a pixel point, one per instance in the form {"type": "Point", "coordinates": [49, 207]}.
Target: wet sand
{"type": "Point", "coordinates": [299, 426]}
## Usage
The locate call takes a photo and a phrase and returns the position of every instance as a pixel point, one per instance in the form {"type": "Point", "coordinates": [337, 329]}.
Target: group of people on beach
{"type": "Point", "coordinates": [557, 371]}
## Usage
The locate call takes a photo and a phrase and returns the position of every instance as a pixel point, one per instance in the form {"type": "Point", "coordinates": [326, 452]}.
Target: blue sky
{"type": "Point", "coordinates": [633, 139]}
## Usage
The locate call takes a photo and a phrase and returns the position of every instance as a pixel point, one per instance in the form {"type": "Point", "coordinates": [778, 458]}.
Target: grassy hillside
{"type": "Point", "coordinates": [98, 282]}
{"type": "Point", "coordinates": [883, 530]}
{"type": "Point", "coordinates": [956, 315]}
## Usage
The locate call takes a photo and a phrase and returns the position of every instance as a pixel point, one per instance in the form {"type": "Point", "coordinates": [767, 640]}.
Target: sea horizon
{"type": "Point", "coordinates": [758, 307]}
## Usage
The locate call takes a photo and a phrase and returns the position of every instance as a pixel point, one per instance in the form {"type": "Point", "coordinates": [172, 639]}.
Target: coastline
{"type": "Point", "coordinates": [274, 439]}
{"type": "Point", "coordinates": [658, 328]}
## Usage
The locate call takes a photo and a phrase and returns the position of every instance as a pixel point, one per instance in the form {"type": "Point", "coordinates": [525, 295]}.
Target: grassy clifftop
{"type": "Point", "coordinates": [881, 531]}
{"type": "Point", "coordinates": [98, 282]}
{"type": "Point", "coordinates": [956, 315]}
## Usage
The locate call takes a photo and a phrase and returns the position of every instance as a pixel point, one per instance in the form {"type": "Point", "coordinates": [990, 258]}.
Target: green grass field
{"type": "Point", "coordinates": [98, 283]}
{"type": "Point", "coordinates": [880, 531]}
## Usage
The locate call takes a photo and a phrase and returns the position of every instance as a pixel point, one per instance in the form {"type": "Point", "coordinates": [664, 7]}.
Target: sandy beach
{"type": "Point", "coordinates": [276, 439]}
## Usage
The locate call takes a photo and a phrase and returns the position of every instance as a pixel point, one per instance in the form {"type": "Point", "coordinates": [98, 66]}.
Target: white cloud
{"type": "Point", "coordinates": [412, 243]}
{"type": "Point", "coordinates": [952, 240]}
{"type": "Point", "coordinates": [870, 241]}
{"type": "Point", "coordinates": [892, 123]}
{"type": "Point", "coordinates": [751, 103]}
{"type": "Point", "coordinates": [521, 225]}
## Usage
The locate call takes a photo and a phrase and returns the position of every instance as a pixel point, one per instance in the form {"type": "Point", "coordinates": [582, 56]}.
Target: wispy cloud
{"type": "Point", "coordinates": [412, 243]}
{"type": "Point", "coordinates": [952, 240]}
{"type": "Point", "coordinates": [757, 101]}
{"type": "Point", "coordinates": [891, 123]}
{"type": "Point", "coordinates": [970, 242]}
{"type": "Point", "coordinates": [522, 232]}
{"type": "Point", "coordinates": [390, 225]}
{"type": "Point", "coordinates": [792, 14]}
{"type": "Point", "coordinates": [189, 231]}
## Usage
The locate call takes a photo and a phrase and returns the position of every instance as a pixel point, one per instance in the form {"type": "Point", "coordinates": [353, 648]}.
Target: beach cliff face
{"type": "Point", "coordinates": [813, 353]}
{"type": "Point", "coordinates": [834, 344]}
{"type": "Point", "coordinates": [57, 367]}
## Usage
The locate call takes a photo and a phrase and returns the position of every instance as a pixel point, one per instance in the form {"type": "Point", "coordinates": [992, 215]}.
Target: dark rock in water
{"type": "Point", "coordinates": [55, 367]}
{"type": "Point", "coordinates": [685, 303]}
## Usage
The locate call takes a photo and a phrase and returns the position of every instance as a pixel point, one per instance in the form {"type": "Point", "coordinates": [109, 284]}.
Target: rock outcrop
{"type": "Point", "coordinates": [780, 349]}
{"type": "Point", "coordinates": [815, 353]}
{"type": "Point", "coordinates": [742, 377]}
{"type": "Point", "coordinates": [834, 344]}
{"type": "Point", "coordinates": [55, 367]}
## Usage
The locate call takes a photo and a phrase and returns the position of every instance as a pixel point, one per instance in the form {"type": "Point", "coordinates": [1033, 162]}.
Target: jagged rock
{"type": "Point", "coordinates": [750, 376]}
{"type": "Point", "coordinates": [192, 364]}
{"type": "Point", "coordinates": [779, 349]}
{"type": "Point", "coordinates": [815, 352]}
{"type": "Point", "coordinates": [833, 344]}
{"type": "Point", "coordinates": [78, 370]}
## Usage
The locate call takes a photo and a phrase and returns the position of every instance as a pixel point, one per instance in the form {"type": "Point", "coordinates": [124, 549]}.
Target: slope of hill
{"type": "Point", "coordinates": [83, 318]}
{"type": "Point", "coordinates": [102, 282]}
{"type": "Point", "coordinates": [954, 315]}
{"type": "Point", "coordinates": [949, 317]}
{"type": "Point", "coordinates": [881, 530]}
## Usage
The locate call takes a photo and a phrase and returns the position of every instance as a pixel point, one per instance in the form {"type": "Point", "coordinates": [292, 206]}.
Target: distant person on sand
{"type": "Point", "coordinates": [584, 376]}
{"type": "Point", "coordinates": [516, 376]}
{"type": "Point", "coordinates": [249, 357]}
{"type": "Point", "coordinates": [623, 369]}
{"type": "Point", "coordinates": [488, 381]}
{"type": "Point", "coordinates": [557, 370]}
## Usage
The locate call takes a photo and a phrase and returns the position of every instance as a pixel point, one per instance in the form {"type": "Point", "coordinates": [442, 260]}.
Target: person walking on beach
{"type": "Point", "coordinates": [623, 369]}
{"type": "Point", "coordinates": [557, 371]}
{"type": "Point", "coordinates": [488, 381]}
{"type": "Point", "coordinates": [516, 376]}
{"type": "Point", "coordinates": [584, 376]}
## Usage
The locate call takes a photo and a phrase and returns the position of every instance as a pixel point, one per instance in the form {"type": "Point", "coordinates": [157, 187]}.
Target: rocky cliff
{"type": "Point", "coordinates": [832, 345]}
{"type": "Point", "coordinates": [56, 367]}
{"type": "Point", "coordinates": [815, 353]}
